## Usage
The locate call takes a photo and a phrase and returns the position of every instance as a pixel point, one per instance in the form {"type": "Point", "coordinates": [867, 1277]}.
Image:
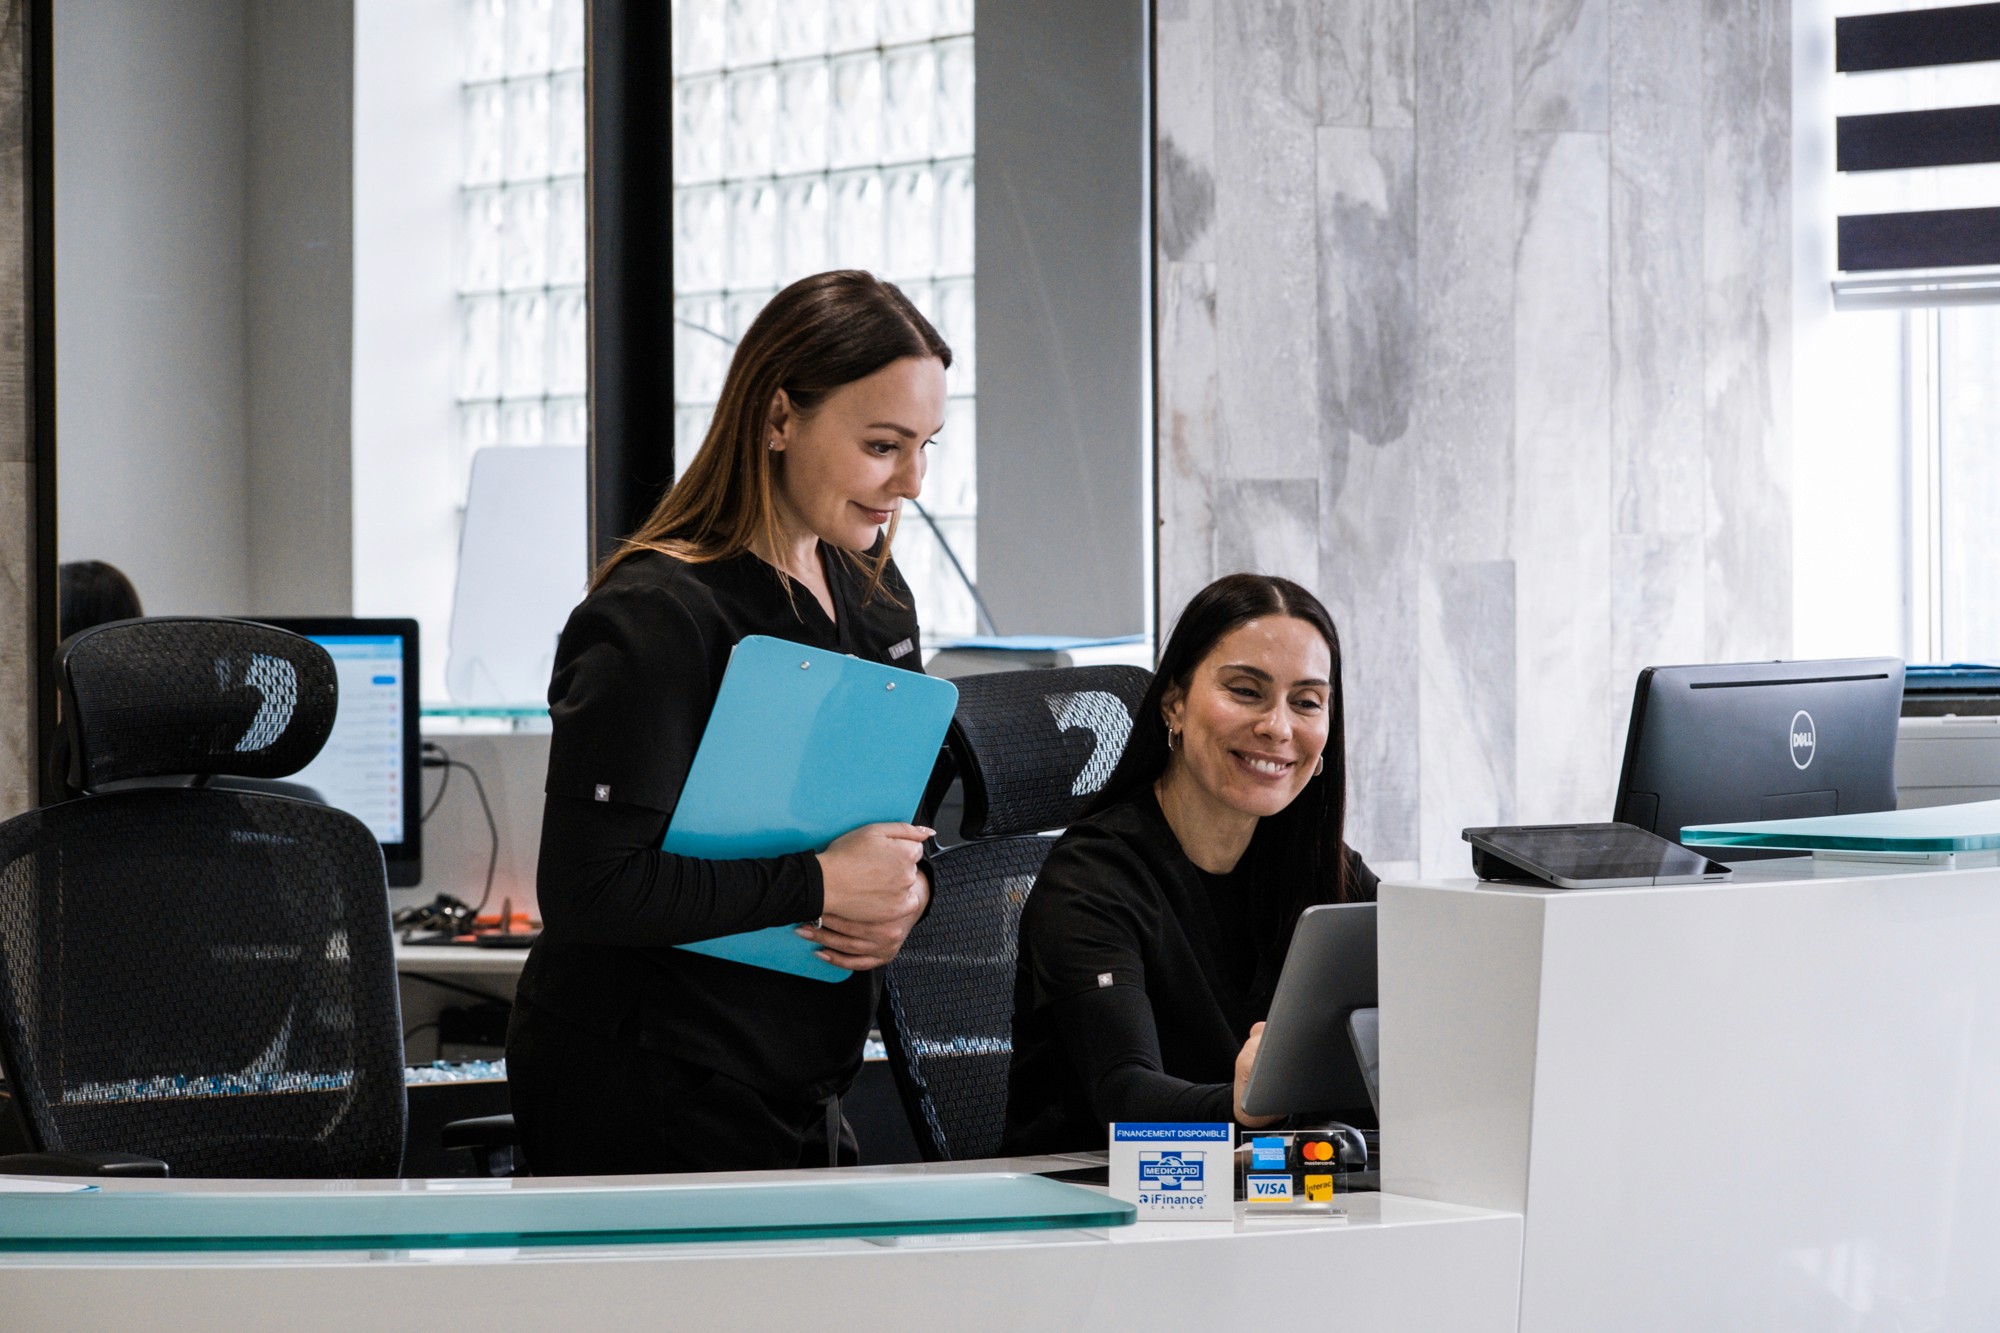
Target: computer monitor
{"type": "Point", "coordinates": [1760, 740]}
{"type": "Point", "coordinates": [369, 765]}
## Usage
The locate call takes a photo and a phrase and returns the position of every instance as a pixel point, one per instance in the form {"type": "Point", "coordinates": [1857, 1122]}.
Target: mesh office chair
{"type": "Point", "coordinates": [1031, 748]}
{"type": "Point", "coordinates": [198, 976]}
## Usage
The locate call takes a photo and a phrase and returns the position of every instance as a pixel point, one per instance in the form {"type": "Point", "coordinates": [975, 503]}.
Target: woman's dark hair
{"type": "Point", "coordinates": [91, 592]}
{"type": "Point", "coordinates": [813, 337]}
{"type": "Point", "coordinates": [1298, 854]}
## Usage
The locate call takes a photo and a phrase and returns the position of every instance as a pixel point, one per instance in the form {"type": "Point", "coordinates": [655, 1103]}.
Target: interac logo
{"type": "Point", "coordinates": [1804, 739]}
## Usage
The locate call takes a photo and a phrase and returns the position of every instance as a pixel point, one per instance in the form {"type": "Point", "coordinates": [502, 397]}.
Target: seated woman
{"type": "Point", "coordinates": [1151, 944]}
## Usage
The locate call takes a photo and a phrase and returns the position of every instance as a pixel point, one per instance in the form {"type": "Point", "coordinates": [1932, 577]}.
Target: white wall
{"type": "Point", "coordinates": [203, 150]}
{"type": "Point", "coordinates": [406, 171]}
{"type": "Point", "coordinates": [1477, 318]}
{"type": "Point", "coordinates": [1064, 329]}
{"type": "Point", "coordinates": [298, 296]}
{"type": "Point", "coordinates": [151, 394]}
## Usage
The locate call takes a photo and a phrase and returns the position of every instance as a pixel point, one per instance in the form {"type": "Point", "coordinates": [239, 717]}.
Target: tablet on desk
{"type": "Point", "coordinates": [1305, 1061]}
{"type": "Point", "coordinates": [1587, 856]}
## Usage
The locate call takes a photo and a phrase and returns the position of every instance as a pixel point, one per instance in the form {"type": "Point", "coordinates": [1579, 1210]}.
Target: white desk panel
{"type": "Point", "coordinates": [1394, 1264]}
{"type": "Point", "coordinates": [1768, 1104]}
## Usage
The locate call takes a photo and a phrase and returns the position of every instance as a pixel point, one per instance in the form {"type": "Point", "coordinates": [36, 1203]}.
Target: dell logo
{"type": "Point", "coordinates": [1804, 739]}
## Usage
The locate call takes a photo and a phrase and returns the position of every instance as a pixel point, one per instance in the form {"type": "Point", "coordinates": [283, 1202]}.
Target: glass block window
{"type": "Point", "coordinates": [522, 333]}
{"type": "Point", "coordinates": [810, 136]}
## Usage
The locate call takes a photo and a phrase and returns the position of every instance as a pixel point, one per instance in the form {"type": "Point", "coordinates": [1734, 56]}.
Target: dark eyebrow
{"type": "Point", "coordinates": [903, 431]}
{"type": "Point", "coordinates": [1262, 674]}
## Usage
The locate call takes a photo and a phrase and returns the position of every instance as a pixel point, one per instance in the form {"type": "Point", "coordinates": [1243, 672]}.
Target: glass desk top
{"type": "Point", "coordinates": [155, 1221]}
{"type": "Point", "coordinates": [1973, 827]}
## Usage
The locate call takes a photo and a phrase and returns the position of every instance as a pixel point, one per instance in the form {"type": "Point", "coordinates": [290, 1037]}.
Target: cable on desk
{"type": "Point", "coordinates": [435, 756]}
{"type": "Point", "coordinates": [444, 785]}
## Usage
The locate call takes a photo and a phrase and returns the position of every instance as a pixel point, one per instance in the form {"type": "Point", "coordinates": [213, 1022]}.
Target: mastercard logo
{"type": "Point", "coordinates": [1317, 1152]}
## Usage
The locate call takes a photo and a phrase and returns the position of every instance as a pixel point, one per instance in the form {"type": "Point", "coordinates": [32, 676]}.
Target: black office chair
{"type": "Point", "coordinates": [1030, 749]}
{"type": "Point", "coordinates": [191, 978]}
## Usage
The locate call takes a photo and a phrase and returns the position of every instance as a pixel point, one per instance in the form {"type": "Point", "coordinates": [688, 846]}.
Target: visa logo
{"type": "Point", "coordinates": [1270, 1187]}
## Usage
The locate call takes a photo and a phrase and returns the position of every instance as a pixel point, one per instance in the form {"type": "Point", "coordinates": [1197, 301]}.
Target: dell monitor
{"type": "Point", "coordinates": [1760, 740]}
{"type": "Point", "coordinates": [369, 765]}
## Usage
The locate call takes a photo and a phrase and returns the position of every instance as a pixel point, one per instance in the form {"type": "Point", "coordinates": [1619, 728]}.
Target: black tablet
{"type": "Point", "coordinates": [1587, 856]}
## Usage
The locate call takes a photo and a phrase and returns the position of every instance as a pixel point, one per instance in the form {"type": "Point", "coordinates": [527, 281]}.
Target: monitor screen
{"type": "Point", "coordinates": [368, 766]}
{"type": "Point", "coordinates": [1760, 740]}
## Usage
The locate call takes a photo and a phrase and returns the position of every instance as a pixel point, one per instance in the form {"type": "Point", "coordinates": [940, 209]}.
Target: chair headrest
{"type": "Point", "coordinates": [1033, 747]}
{"type": "Point", "coordinates": [183, 695]}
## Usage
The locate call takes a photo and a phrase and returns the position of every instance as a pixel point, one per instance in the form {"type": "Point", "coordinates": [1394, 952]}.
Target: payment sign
{"type": "Point", "coordinates": [1166, 1170]}
{"type": "Point", "coordinates": [1268, 1189]}
{"type": "Point", "coordinates": [1175, 1172]}
{"type": "Point", "coordinates": [1267, 1153]}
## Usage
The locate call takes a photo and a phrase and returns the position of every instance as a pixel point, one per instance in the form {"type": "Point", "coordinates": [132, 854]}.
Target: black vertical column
{"type": "Point", "coordinates": [631, 265]}
{"type": "Point", "coordinates": [41, 397]}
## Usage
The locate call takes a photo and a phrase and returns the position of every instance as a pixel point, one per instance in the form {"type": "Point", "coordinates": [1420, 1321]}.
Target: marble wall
{"type": "Point", "coordinates": [17, 491]}
{"type": "Point", "coordinates": [1474, 316]}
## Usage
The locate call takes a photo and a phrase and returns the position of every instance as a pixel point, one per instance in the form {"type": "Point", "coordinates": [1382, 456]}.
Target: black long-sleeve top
{"type": "Point", "coordinates": [636, 674]}
{"type": "Point", "coordinates": [1139, 978]}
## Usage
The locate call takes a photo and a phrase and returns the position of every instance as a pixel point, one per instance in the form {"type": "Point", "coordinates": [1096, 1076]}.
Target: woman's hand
{"type": "Point", "coordinates": [1245, 1059]}
{"type": "Point", "coordinates": [860, 946]}
{"type": "Point", "coordinates": [873, 893]}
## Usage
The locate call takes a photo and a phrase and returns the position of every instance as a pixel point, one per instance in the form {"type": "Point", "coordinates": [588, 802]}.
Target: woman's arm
{"type": "Point", "coordinates": [603, 879]}
{"type": "Point", "coordinates": [1109, 1036]}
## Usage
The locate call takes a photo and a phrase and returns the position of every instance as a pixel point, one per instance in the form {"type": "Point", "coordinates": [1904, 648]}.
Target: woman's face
{"type": "Point", "coordinates": [845, 470]}
{"type": "Point", "coordinates": [1254, 718]}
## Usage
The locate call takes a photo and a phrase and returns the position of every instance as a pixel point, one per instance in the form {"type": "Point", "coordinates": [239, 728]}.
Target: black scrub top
{"type": "Point", "coordinates": [1138, 980]}
{"type": "Point", "coordinates": [636, 674]}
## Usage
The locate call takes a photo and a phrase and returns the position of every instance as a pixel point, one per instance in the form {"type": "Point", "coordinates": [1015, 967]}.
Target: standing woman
{"type": "Point", "coordinates": [1151, 943]}
{"type": "Point", "coordinates": [626, 1054]}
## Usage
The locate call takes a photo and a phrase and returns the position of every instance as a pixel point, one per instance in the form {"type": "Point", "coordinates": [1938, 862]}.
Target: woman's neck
{"type": "Point", "coordinates": [1213, 836]}
{"type": "Point", "coordinates": [796, 553]}
{"type": "Point", "coordinates": [797, 557]}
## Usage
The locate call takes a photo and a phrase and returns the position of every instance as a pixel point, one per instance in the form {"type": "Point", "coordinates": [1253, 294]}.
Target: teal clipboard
{"type": "Point", "coordinates": [802, 746]}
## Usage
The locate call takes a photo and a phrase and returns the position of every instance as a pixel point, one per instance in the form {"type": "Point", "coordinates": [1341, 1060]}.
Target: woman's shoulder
{"type": "Point", "coordinates": [651, 583]}
{"type": "Point", "coordinates": [1116, 852]}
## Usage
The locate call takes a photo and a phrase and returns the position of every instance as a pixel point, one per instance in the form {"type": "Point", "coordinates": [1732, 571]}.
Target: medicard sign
{"type": "Point", "coordinates": [1175, 1171]}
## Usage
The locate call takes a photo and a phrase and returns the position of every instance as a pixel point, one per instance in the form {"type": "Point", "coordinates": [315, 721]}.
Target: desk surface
{"type": "Point", "coordinates": [445, 959]}
{"type": "Point", "coordinates": [1392, 1263]}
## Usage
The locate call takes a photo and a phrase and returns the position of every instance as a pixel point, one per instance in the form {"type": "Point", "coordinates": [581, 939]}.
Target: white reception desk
{"type": "Point", "coordinates": [1768, 1104]}
{"type": "Point", "coordinates": [1394, 1264]}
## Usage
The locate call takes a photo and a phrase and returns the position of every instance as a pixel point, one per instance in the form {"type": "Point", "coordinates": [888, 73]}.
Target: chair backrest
{"type": "Point", "coordinates": [202, 976]}
{"type": "Point", "coordinates": [1032, 748]}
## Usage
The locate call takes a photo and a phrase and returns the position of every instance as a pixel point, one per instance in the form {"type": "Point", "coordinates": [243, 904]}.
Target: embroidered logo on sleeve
{"type": "Point", "coordinates": [898, 651]}
{"type": "Point", "coordinates": [603, 792]}
{"type": "Point", "coordinates": [1103, 980]}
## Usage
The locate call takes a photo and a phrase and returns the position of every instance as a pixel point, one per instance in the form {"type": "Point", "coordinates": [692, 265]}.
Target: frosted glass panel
{"type": "Point", "coordinates": [520, 569]}
{"type": "Point", "coordinates": [817, 134]}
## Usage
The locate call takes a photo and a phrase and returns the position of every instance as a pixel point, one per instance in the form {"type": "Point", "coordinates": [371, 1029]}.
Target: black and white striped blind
{"type": "Point", "coordinates": [1917, 139]}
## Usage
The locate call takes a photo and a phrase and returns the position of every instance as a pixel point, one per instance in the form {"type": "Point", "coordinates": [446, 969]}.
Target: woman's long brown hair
{"type": "Point", "coordinates": [816, 335]}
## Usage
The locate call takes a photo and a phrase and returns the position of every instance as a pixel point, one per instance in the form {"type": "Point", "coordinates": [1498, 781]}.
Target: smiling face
{"type": "Point", "coordinates": [846, 468]}
{"type": "Point", "coordinates": [1252, 723]}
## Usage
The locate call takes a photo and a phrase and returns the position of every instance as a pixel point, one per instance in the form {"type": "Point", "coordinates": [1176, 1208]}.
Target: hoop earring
{"type": "Point", "coordinates": [1171, 733]}
{"type": "Point", "coordinates": [1320, 767]}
